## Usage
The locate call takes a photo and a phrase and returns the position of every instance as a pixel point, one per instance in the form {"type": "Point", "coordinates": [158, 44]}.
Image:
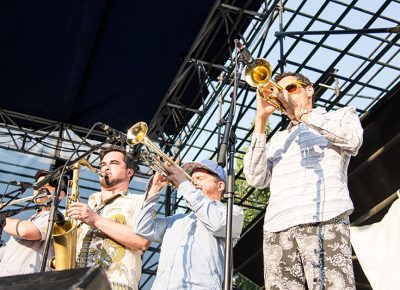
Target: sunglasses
{"type": "Point", "coordinates": [293, 88]}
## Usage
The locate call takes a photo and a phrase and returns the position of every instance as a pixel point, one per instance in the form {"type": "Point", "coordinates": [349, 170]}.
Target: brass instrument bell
{"type": "Point", "coordinates": [138, 134]}
{"type": "Point", "coordinates": [258, 75]}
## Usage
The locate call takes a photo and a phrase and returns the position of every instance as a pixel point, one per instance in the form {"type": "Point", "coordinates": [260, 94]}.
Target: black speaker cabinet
{"type": "Point", "coordinates": [93, 278]}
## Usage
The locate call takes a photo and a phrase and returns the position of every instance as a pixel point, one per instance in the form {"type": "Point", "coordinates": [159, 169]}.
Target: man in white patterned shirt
{"type": "Point", "coordinates": [306, 227]}
{"type": "Point", "coordinates": [106, 236]}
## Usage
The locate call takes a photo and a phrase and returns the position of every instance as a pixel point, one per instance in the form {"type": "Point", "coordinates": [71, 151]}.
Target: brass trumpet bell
{"type": "Point", "coordinates": [258, 75]}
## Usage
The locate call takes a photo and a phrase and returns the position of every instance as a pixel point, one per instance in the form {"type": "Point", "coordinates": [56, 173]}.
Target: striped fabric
{"type": "Point", "coordinates": [305, 167]}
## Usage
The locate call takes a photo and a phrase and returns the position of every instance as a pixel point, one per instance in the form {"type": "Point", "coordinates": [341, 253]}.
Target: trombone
{"type": "Point", "coordinates": [137, 134]}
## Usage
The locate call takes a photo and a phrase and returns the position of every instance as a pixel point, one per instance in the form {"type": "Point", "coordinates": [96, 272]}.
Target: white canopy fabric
{"type": "Point", "coordinates": [377, 247]}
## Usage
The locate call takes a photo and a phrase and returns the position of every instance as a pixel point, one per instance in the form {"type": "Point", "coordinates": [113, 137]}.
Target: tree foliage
{"type": "Point", "coordinates": [256, 200]}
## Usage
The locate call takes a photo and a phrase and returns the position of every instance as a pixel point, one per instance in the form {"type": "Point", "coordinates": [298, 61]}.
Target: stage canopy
{"type": "Point", "coordinates": [66, 65]}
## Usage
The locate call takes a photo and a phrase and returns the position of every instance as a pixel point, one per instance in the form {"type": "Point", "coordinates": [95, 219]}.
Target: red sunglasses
{"type": "Point", "coordinates": [293, 88]}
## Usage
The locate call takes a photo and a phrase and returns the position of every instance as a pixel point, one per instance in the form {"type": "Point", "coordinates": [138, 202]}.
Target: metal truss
{"type": "Point", "coordinates": [52, 140]}
{"type": "Point", "coordinates": [349, 49]}
{"type": "Point", "coordinates": [53, 143]}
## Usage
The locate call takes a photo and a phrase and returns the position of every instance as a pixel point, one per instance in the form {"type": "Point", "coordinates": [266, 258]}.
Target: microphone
{"type": "Point", "coordinates": [21, 184]}
{"type": "Point", "coordinates": [248, 59]}
{"type": "Point", "coordinates": [114, 133]}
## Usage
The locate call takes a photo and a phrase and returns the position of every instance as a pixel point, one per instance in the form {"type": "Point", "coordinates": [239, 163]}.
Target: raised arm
{"type": "Point", "coordinates": [257, 167]}
{"type": "Point", "coordinates": [341, 127]}
{"type": "Point", "coordinates": [23, 229]}
{"type": "Point", "coordinates": [147, 224]}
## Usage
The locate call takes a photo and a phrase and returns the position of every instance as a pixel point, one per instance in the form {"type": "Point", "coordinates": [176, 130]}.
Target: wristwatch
{"type": "Point", "coordinates": [301, 112]}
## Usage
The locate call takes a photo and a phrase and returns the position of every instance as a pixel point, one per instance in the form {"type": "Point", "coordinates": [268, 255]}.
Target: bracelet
{"type": "Point", "coordinates": [16, 228]}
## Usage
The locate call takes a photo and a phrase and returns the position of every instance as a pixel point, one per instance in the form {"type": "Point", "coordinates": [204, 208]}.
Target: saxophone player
{"type": "Point", "coordinates": [106, 236]}
{"type": "Point", "coordinates": [23, 252]}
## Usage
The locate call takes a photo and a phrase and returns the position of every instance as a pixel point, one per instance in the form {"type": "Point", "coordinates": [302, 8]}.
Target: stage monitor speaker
{"type": "Point", "coordinates": [93, 278]}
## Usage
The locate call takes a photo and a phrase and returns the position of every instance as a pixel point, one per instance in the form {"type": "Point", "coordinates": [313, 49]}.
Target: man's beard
{"type": "Point", "coordinates": [107, 181]}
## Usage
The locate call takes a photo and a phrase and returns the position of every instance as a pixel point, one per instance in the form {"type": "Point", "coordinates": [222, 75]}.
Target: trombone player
{"type": "Point", "coordinates": [23, 252]}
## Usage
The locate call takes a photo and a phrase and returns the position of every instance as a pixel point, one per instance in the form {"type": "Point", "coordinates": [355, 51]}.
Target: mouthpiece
{"type": "Point", "coordinates": [101, 173]}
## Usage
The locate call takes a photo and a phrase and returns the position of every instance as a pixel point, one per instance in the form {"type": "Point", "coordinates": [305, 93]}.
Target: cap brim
{"type": "Point", "coordinates": [53, 183]}
{"type": "Point", "coordinates": [191, 166]}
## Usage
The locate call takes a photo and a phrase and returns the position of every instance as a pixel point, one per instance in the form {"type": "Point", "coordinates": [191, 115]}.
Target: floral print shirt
{"type": "Point", "coordinates": [122, 265]}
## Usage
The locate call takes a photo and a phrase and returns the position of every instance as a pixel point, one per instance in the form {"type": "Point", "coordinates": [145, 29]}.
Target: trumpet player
{"type": "Point", "coordinates": [23, 252]}
{"type": "Point", "coordinates": [106, 236]}
{"type": "Point", "coordinates": [192, 251]}
{"type": "Point", "coordinates": [306, 226]}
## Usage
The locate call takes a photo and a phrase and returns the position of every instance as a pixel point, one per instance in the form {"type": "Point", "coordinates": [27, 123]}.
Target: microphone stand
{"type": "Point", "coordinates": [54, 205]}
{"type": "Point", "coordinates": [19, 191]}
{"type": "Point", "coordinates": [228, 144]}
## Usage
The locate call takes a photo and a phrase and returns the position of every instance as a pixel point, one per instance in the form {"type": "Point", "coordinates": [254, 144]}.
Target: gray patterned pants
{"type": "Point", "coordinates": [317, 254]}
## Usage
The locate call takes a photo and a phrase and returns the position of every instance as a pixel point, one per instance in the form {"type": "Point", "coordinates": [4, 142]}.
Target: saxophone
{"type": "Point", "coordinates": [65, 236]}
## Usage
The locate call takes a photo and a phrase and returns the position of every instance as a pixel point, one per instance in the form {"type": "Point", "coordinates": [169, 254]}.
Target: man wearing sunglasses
{"type": "Point", "coordinates": [306, 226]}
{"type": "Point", "coordinates": [23, 252]}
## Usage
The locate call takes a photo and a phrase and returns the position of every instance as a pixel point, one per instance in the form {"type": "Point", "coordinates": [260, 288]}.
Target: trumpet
{"type": "Point", "coordinates": [137, 134]}
{"type": "Point", "coordinates": [33, 198]}
{"type": "Point", "coordinates": [257, 74]}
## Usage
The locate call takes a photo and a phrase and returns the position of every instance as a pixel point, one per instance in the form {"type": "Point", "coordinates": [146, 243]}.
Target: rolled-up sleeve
{"type": "Point", "coordinates": [342, 128]}
{"type": "Point", "coordinates": [147, 224]}
{"type": "Point", "coordinates": [257, 167]}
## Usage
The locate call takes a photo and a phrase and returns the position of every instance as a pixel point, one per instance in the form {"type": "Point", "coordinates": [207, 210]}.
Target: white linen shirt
{"type": "Point", "coordinates": [306, 168]}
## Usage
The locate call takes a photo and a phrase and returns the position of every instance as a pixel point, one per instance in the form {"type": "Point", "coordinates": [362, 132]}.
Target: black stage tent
{"type": "Point", "coordinates": [79, 62]}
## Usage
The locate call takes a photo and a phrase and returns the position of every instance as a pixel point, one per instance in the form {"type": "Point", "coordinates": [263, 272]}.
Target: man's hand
{"type": "Point", "coordinates": [158, 183]}
{"type": "Point", "coordinates": [290, 103]}
{"type": "Point", "coordinates": [83, 212]}
{"type": "Point", "coordinates": [263, 112]}
{"type": "Point", "coordinates": [176, 175]}
{"type": "Point", "coordinates": [264, 108]}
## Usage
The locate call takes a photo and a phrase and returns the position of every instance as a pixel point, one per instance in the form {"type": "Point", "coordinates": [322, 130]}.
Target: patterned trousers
{"type": "Point", "coordinates": [314, 255]}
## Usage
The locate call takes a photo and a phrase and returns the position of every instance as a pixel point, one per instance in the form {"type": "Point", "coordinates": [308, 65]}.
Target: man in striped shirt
{"type": "Point", "coordinates": [306, 227]}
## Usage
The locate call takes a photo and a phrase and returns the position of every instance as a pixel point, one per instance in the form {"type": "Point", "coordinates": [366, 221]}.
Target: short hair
{"type": "Point", "coordinates": [298, 76]}
{"type": "Point", "coordinates": [128, 158]}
